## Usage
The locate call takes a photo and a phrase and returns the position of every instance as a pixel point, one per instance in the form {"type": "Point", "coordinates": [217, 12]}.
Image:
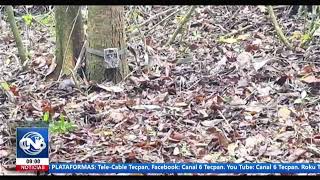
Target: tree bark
{"type": "Point", "coordinates": [69, 39]}
{"type": "Point", "coordinates": [105, 30]}
{"type": "Point", "coordinates": [21, 50]}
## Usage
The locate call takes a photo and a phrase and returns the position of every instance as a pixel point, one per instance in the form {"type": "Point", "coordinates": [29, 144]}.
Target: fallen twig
{"type": "Point", "coordinates": [233, 15]}
{"type": "Point", "coordinates": [155, 16]}
{"type": "Point", "coordinates": [164, 139]}
{"type": "Point", "coordinates": [183, 22]}
{"type": "Point", "coordinates": [143, 38]}
{"type": "Point", "coordinates": [239, 30]}
{"type": "Point", "coordinates": [227, 122]}
{"type": "Point", "coordinates": [313, 150]}
{"type": "Point", "coordinates": [15, 57]}
{"type": "Point", "coordinates": [164, 19]}
{"type": "Point", "coordinates": [277, 27]}
{"type": "Point", "coordinates": [79, 60]}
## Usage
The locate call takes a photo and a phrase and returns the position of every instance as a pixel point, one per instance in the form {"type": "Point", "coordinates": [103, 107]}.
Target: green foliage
{"type": "Point", "coordinates": [227, 99]}
{"type": "Point", "coordinates": [179, 18]}
{"type": "Point", "coordinates": [196, 34]}
{"type": "Point", "coordinates": [61, 117]}
{"type": "Point", "coordinates": [61, 126]}
{"type": "Point", "coordinates": [185, 149]}
{"type": "Point", "coordinates": [27, 19]}
{"type": "Point", "coordinates": [230, 40]}
{"type": "Point", "coordinates": [299, 36]}
{"type": "Point", "coordinates": [131, 28]}
{"type": "Point", "coordinates": [47, 20]}
{"type": "Point", "coordinates": [5, 86]}
{"type": "Point", "coordinates": [135, 14]}
{"type": "Point", "coordinates": [46, 117]}
{"type": "Point", "coordinates": [305, 38]}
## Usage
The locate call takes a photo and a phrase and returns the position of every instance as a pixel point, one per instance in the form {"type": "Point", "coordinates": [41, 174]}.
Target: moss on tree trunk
{"type": "Point", "coordinates": [69, 38]}
{"type": "Point", "coordinates": [105, 30]}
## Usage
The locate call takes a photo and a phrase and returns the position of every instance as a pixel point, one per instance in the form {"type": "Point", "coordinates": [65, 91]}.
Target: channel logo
{"type": "Point", "coordinates": [32, 143]}
{"type": "Point", "coordinates": [32, 149]}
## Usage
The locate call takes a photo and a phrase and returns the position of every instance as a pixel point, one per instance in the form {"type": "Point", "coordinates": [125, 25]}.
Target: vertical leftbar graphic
{"type": "Point", "coordinates": [32, 149]}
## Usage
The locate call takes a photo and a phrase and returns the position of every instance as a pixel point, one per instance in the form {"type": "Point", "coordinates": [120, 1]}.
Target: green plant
{"type": "Point", "coordinates": [196, 34]}
{"type": "Point", "coordinates": [46, 116]}
{"type": "Point", "coordinates": [297, 35]}
{"type": "Point", "coordinates": [61, 126]}
{"type": "Point", "coordinates": [5, 86]}
{"type": "Point", "coordinates": [305, 38]}
{"type": "Point", "coordinates": [27, 19]}
{"type": "Point", "coordinates": [179, 18]}
{"type": "Point", "coordinates": [132, 28]}
{"type": "Point", "coordinates": [229, 40]}
{"type": "Point", "coordinates": [135, 14]}
{"type": "Point", "coordinates": [227, 99]}
{"type": "Point", "coordinates": [49, 21]}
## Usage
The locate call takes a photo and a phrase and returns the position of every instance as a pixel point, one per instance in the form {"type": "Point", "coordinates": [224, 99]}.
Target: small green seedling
{"type": "Point", "coordinates": [27, 19]}
{"type": "Point", "coordinates": [196, 34]}
{"type": "Point", "coordinates": [46, 117]}
{"type": "Point", "coordinates": [305, 38]}
{"type": "Point", "coordinates": [47, 20]}
{"type": "Point", "coordinates": [5, 86]}
{"type": "Point", "coordinates": [61, 126]}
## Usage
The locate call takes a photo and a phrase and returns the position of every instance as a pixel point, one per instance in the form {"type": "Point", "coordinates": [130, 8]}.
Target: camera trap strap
{"type": "Point", "coordinates": [111, 56]}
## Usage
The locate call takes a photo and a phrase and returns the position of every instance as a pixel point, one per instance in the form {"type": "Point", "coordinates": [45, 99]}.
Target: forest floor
{"type": "Point", "coordinates": [209, 97]}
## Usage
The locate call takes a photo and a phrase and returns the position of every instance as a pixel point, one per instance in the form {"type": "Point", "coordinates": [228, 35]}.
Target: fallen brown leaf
{"type": "Point", "coordinates": [310, 79]}
{"type": "Point", "coordinates": [296, 154]}
{"type": "Point", "coordinates": [177, 136]}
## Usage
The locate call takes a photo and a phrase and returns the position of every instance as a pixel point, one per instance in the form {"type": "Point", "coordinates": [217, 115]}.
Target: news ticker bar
{"type": "Point", "coordinates": [168, 168]}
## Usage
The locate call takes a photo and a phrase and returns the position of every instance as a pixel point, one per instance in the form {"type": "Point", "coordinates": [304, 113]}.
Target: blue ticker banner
{"type": "Point", "coordinates": [170, 168]}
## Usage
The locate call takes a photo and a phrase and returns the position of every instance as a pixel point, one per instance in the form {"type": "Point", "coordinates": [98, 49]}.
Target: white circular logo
{"type": "Point", "coordinates": [32, 143]}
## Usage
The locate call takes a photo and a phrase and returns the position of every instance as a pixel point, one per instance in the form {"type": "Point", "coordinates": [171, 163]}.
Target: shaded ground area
{"type": "Point", "coordinates": [207, 98]}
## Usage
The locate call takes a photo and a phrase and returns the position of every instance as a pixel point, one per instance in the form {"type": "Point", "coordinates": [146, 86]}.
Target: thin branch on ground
{"type": "Point", "coordinates": [182, 23]}
{"type": "Point", "coordinates": [239, 31]}
{"type": "Point", "coordinates": [15, 57]}
{"type": "Point", "coordinates": [164, 19]}
{"type": "Point", "coordinates": [79, 60]}
{"type": "Point", "coordinates": [233, 16]}
{"type": "Point", "coordinates": [157, 15]}
{"type": "Point", "coordinates": [143, 38]}
{"type": "Point", "coordinates": [277, 27]}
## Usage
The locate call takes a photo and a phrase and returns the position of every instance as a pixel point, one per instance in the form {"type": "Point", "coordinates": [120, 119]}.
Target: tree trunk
{"type": "Point", "coordinates": [69, 38]}
{"type": "Point", "coordinates": [105, 30]}
{"type": "Point", "coordinates": [22, 51]}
